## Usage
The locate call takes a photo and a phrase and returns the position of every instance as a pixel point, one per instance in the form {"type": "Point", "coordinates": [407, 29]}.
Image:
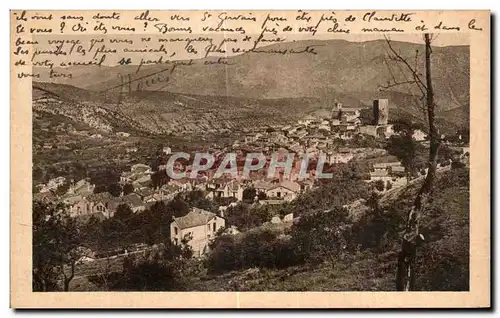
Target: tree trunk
{"type": "Point", "coordinates": [68, 279]}
{"type": "Point", "coordinates": [405, 276]}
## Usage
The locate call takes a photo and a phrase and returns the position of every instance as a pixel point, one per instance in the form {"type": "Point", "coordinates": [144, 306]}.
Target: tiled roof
{"type": "Point", "coordinates": [195, 217]}
{"type": "Point", "coordinates": [72, 198]}
{"type": "Point", "coordinates": [133, 199]}
{"type": "Point", "coordinates": [44, 196]}
{"type": "Point", "coordinates": [387, 164]}
{"type": "Point", "coordinates": [144, 191]}
{"type": "Point", "coordinates": [398, 169]}
{"type": "Point", "coordinates": [96, 197]}
{"type": "Point", "coordinates": [259, 184]}
{"type": "Point", "coordinates": [139, 167]}
{"type": "Point", "coordinates": [290, 185]}
{"type": "Point", "coordinates": [379, 173]}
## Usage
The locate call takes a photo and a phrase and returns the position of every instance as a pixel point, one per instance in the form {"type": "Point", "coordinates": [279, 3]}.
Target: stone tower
{"type": "Point", "coordinates": [381, 111]}
{"type": "Point", "coordinates": [337, 110]}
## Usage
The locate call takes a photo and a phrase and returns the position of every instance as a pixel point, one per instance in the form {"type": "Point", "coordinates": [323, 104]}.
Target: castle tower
{"type": "Point", "coordinates": [337, 110]}
{"type": "Point", "coordinates": [381, 111]}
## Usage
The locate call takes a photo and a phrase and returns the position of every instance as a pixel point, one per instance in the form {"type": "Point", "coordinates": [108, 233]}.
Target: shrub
{"type": "Point", "coordinates": [159, 268]}
{"type": "Point", "coordinates": [379, 185]}
{"type": "Point", "coordinates": [323, 235]}
{"type": "Point", "coordinates": [262, 247]}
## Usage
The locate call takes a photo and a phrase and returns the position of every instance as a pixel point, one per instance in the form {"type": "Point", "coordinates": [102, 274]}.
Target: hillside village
{"type": "Point", "coordinates": [348, 134]}
{"type": "Point", "coordinates": [338, 148]}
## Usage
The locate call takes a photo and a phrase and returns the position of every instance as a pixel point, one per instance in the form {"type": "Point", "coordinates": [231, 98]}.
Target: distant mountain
{"type": "Point", "coordinates": [167, 113]}
{"type": "Point", "coordinates": [351, 72]}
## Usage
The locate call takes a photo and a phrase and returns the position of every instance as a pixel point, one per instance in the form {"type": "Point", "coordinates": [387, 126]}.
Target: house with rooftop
{"type": "Point", "coordinates": [393, 172]}
{"type": "Point", "coordinates": [199, 227]}
{"type": "Point", "coordinates": [104, 203]}
{"type": "Point", "coordinates": [307, 120]}
{"type": "Point", "coordinates": [83, 187]}
{"type": "Point", "coordinates": [133, 200]}
{"type": "Point", "coordinates": [285, 190]}
{"type": "Point", "coordinates": [224, 189]}
{"type": "Point", "coordinates": [339, 156]}
{"type": "Point", "coordinates": [140, 168]}
{"type": "Point", "coordinates": [78, 205]}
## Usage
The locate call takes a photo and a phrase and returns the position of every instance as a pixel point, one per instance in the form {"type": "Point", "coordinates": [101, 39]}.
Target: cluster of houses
{"type": "Point", "coordinates": [83, 202]}
{"type": "Point", "coordinates": [312, 135]}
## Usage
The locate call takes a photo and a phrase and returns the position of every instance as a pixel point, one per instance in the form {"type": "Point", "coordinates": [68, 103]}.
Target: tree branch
{"type": "Point", "coordinates": [395, 83]}
{"type": "Point", "coordinates": [397, 57]}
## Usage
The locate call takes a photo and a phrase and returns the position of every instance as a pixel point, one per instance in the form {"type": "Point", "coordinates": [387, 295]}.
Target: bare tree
{"type": "Point", "coordinates": [405, 276]}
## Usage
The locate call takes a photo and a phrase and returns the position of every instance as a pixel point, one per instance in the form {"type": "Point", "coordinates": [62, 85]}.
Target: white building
{"type": "Point", "coordinates": [285, 190]}
{"type": "Point", "coordinates": [199, 227]}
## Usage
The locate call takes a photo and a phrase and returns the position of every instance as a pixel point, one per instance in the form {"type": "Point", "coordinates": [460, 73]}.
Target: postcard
{"type": "Point", "coordinates": [250, 159]}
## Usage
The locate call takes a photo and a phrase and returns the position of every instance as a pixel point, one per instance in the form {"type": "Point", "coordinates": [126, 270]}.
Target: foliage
{"type": "Point", "coordinates": [196, 198]}
{"type": "Point", "coordinates": [323, 235]}
{"type": "Point", "coordinates": [128, 188]}
{"type": "Point", "coordinates": [62, 189]}
{"type": "Point", "coordinates": [100, 188]}
{"type": "Point", "coordinates": [159, 178]}
{"type": "Point", "coordinates": [224, 254]}
{"type": "Point", "coordinates": [159, 218]}
{"type": "Point", "coordinates": [261, 247]}
{"type": "Point", "coordinates": [103, 177]}
{"type": "Point", "coordinates": [160, 268]}
{"type": "Point", "coordinates": [242, 217]}
{"type": "Point", "coordinates": [457, 165]}
{"type": "Point", "coordinates": [444, 254]}
{"type": "Point", "coordinates": [222, 201]}
{"type": "Point", "coordinates": [379, 185]}
{"type": "Point", "coordinates": [345, 187]}
{"type": "Point", "coordinates": [408, 151]}
{"type": "Point", "coordinates": [249, 194]}
{"type": "Point", "coordinates": [123, 212]}
{"type": "Point", "coordinates": [406, 127]}
{"type": "Point", "coordinates": [364, 141]}
{"type": "Point", "coordinates": [115, 189]}
{"type": "Point", "coordinates": [261, 195]}
{"type": "Point", "coordinates": [56, 246]}
{"type": "Point", "coordinates": [371, 245]}
{"type": "Point", "coordinates": [179, 206]}
{"type": "Point", "coordinates": [245, 216]}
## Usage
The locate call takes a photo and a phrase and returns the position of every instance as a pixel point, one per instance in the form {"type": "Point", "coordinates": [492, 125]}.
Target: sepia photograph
{"type": "Point", "coordinates": [259, 152]}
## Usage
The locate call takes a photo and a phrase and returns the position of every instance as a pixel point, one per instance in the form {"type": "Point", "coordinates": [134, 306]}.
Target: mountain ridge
{"type": "Point", "coordinates": [349, 72]}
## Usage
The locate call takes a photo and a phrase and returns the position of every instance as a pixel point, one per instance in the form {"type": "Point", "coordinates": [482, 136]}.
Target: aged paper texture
{"type": "Point", "coordinates": [250, 159]}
